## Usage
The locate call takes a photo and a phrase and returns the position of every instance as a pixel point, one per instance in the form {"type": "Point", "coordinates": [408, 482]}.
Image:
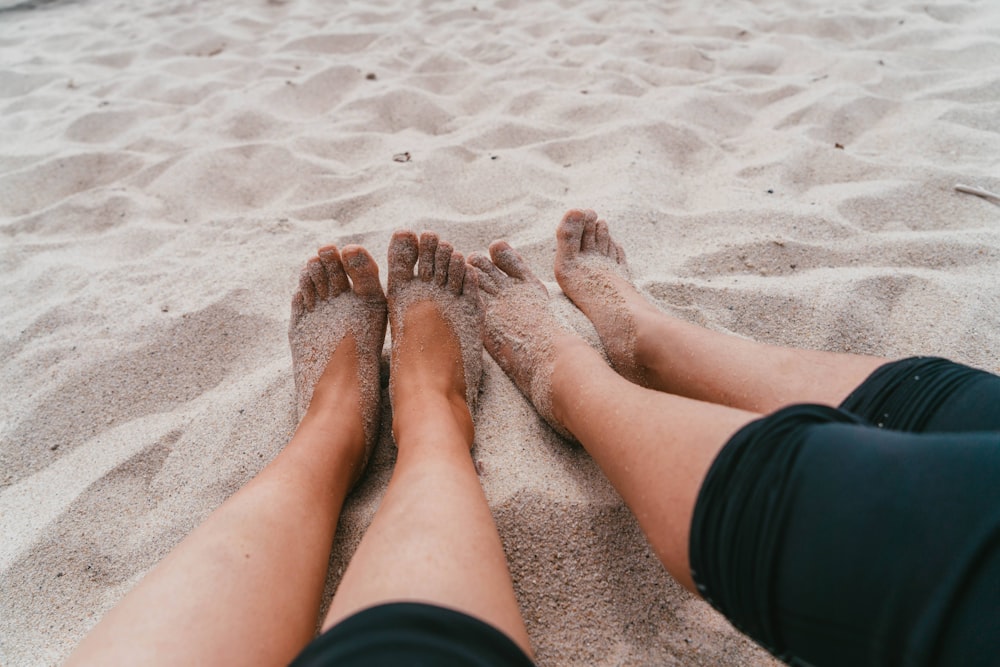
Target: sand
{"type": "Point", "coordinates": [777, 169]}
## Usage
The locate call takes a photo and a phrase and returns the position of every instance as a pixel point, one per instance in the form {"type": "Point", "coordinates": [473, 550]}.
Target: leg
{"type": "Point", "coordinates": [245, 586]}
{"type": "Point", "coordinates": [655, 448]}
{"type": "Point", "coordinates": [820, 536]}
{"type": "Point", "coordinates": [928, 395]}
{"type": "Point", "coordinates": [837, 543]}
{"type": "Point", "coordinates": [433, 539]}
{"type": "Point", "coordinates": [660, 352]}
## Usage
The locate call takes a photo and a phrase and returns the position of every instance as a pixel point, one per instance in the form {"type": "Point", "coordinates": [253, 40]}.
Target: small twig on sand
{"type": "Point", "coordinates": [979, 192]}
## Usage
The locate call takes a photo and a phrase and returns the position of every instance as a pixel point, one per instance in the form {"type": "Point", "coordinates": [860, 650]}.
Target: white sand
{"type": "Point", "coordinates": [167, 165]}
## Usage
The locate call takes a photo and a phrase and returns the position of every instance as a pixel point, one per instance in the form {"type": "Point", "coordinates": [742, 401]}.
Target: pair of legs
{"type": "Point", "coordinates": [656, 419]}
{"type": "Point", "coordinates": [857, 524]}
{"type": "Point", "coordinates": [245, 587]}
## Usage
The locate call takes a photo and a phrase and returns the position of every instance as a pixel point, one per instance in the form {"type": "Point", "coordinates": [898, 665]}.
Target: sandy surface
{"type": "Point", "coordinates": [777, 169]}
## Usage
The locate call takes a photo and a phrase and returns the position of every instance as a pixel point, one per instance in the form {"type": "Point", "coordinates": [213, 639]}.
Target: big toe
{"type": "Point", "coordinates": [569, 233]}
{"type": "Point", "coordinates": [363, 271]}
{"type": "Point", "coordinates": [509, 261]}
{"type": "Point", "coordinates": [403, 252]}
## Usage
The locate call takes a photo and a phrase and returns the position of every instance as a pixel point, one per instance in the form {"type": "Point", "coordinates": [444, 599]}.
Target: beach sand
{"type": "Point", "coordinates": [776, 169]}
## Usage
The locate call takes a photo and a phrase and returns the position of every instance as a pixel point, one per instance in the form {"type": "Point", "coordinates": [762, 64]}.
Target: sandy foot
{"type": "Point", "coordinates": [591, 270]}
{"type": "Point", "coordinates": [339, 295]}
{"type": "Point", "coordinates": [521, 333]}
{"type": "Point", "coordinates": [436, 319]}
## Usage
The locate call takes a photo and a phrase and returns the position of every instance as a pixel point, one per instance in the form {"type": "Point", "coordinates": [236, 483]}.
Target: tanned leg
{"type": "Point", "coordinates": [433, 538]}
{"type": "Point", "coordinates": [245, 586]}
{"type": "Point", "coordinates": [660, 352]}
{"type": "Point", "coordinates": [656, 448]}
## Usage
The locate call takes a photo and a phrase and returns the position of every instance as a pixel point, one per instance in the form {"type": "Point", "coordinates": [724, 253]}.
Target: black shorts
{"type": "Point", "coordinates": [864, 535]}
{"type": "Point", "coordinates": [408, 633]}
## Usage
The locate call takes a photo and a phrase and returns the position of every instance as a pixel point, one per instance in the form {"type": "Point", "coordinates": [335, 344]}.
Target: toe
{"type": "Point", "coordinates": [602, 237]}
{"type": "Point", "coordinates": [402, 256]}
{"type": "Point", "coordinates": [471, 282]}
{"type": "Point", "coordinates": [442, 262]}
{"type": "Point", "coordinates": [570, 230]}
{"type": "Point", "coordinates": [363, 271]}
{"type": "Point", "coordinates": [320, 281]}
{"type": "Point", "coordinates": [456, 273]}
{"type": "Point", "coordinates": [307, 289]}
{"type": "Point", "coordinates": [619, 253]}
{"type": "Point", "coordinates": [482, 280]}
{"type": "Point", "coordinates": [507, 259]}
{"type": "Point", "coordinates": [428, 248]}
{"type": "Point", "coordinates": [336, 277]}
{"type": "Point", "coordinates": [490, 278]}
{"type": "Point", "coordinates": [298, 307]}
{"type": "Point", "coordinates": [589, 241]}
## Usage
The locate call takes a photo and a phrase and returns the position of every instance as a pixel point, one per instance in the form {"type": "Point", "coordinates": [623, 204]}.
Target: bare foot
{"type": "Point", "coordinates": [591, 270]}
{"type": "Point", "coordinates": [522, 335]}
{"type": "Point", "coordinates": [336, 333]}
{"type": "Point", "coordinates": [437, 321]}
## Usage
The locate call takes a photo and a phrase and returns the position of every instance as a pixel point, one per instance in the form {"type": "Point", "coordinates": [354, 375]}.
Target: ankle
{"type": "Point", "coordinates": [332, 440]}
{"type": "Point", "coordinates": [336, 396]}
{"type": "Point", "coordinates": [576, 367]}
{"type": "Point", "coordinates": [647, 343]}
{"type": "Point", "coordinates": [651, 347]}
{"type": "Point", "coordinates": [432, 419]}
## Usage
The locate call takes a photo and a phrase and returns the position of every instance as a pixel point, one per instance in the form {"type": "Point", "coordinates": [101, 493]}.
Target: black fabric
{"type": "Point", "coordinates": [832, 541]}
{"type": "Point", "coordinates": [412, 634]}
{"type": "Point", "coordinates": [928, 395]}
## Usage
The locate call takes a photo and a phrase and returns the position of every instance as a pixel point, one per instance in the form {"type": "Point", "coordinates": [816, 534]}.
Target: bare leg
{"type": "Point", "coordinates": [245, 586]}
{"type": "Point", "coordinates": [655, 448]}
{"type": "Point", "coordinates": [433, 538]}
{"type": "Point", "coordinates": [660, 352]}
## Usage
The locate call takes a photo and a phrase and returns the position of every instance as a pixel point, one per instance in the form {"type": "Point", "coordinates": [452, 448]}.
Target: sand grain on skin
{"type": "Point", "coordinates": [146, 374]}
{"type": "Point", "coordinates": [592, 271]}
{"type": "Point", "coordinates": [440, 279]}
{"type": "Point", "coordinates": [338, 309]}
{"type": "Point", "coordinates": [520, 327]}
